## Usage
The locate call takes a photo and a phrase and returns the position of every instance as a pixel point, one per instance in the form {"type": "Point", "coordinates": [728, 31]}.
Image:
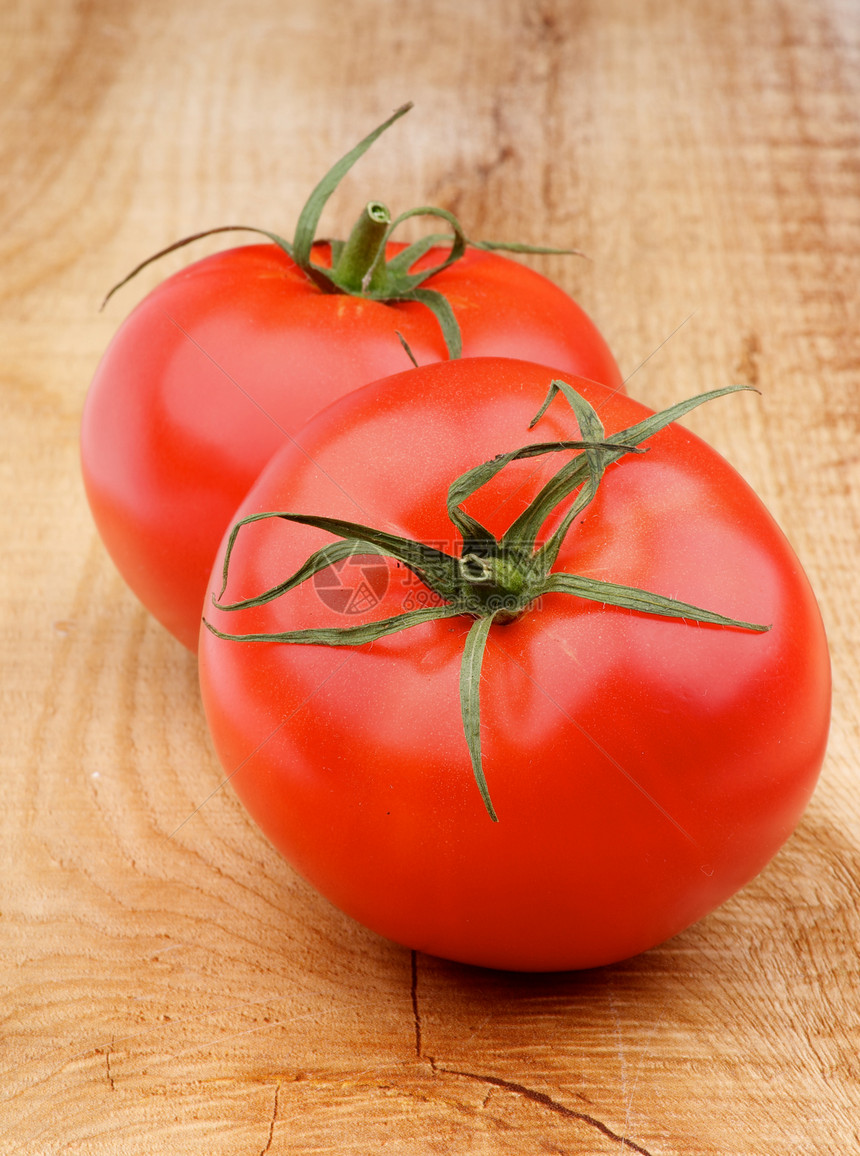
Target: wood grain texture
{"type": "Point", "coordinates": [168, 984]}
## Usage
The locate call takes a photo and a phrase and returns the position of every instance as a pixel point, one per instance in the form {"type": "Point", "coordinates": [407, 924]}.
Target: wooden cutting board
{"type": "Point", "coordinates": [168, 984]}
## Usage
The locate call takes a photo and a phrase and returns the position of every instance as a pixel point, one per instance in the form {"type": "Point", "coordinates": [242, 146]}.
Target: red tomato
{"type": "Point", "coordinates": [642, 768]}
{"type": "Point", "coordinates": [223, 363]}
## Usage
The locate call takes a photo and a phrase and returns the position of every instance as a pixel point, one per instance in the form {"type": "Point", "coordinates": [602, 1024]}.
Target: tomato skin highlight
{"type": "Point", "coordinates": [222, 363]}
{"type": "Point", "coordinates": [643, 769]}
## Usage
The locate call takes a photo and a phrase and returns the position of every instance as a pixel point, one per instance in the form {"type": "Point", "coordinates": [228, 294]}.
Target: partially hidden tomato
{"type": "Point", "coordinates": [608, 707]}
{"type": "Point", "coordinates": [222, 363]}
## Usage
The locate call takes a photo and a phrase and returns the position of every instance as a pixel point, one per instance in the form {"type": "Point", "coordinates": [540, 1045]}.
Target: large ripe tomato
{"type": "Point", "coordinates": [223, 362]}
{"type": "Point", "coordinates": [642, 768]}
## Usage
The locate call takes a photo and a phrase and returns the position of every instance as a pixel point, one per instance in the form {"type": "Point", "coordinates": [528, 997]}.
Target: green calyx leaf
{"type": "Point", "coordinates": [273, 237]}
{"type": "Point", "coordinates": [435, 568]}
{"type": "Point", "coordinates": [306, 227]}
{"type": "Point", "coordinates": [491, 580]}
{"type": "Point", "coordinates": [347, 635]}
{"type": "Point", "coordinates": [358, 265]}
{"type": "Point", "coordinates": [470, 702]}
{"type": "Point", "coordinates": [631, 598]}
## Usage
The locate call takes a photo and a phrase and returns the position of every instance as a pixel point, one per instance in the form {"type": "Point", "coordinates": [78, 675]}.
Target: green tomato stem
{"type": "Point", "coordinates": [360, 265]}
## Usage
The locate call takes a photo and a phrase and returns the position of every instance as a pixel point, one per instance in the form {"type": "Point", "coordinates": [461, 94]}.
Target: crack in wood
{"type": "Point", "coordinates": [545, 1101]}
{"type": "Point", "coordinates": [272, 1122]}
{"type": "Point", "coordinates": [110, 1078]}
{"type": "Point", "coordinates": [531, 1094]}
{"type": "Point", "coordinates": [416, 1013]}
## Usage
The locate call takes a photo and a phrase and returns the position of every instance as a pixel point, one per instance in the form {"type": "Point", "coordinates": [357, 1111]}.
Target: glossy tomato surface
{"type": "Point", "coordinates": [642, 768]}
{"type": "Point", "coordinates": [222, 363]}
